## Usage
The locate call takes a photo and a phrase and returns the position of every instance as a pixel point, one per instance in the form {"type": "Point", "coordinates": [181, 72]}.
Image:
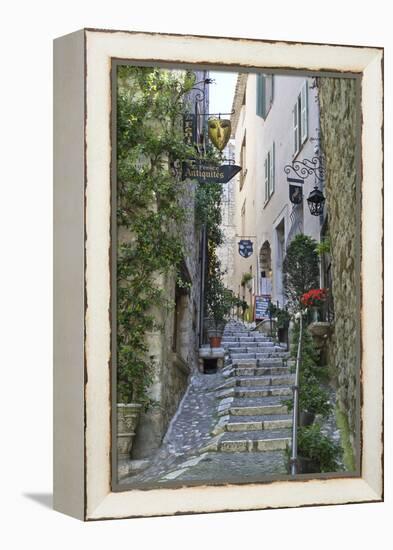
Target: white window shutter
{"type": "Point", "coordinates": [304, 112]}
{"type": "Point", "coordinates": [295, 129]}
{"type": "Point", "coordinates": [266, 179]}
{"type": "Point", "coordinates": [271, 170]}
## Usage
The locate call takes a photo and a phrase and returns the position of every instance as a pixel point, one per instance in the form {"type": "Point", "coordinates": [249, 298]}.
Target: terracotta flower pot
{"type": "Point", "coordinates": [215, 341]}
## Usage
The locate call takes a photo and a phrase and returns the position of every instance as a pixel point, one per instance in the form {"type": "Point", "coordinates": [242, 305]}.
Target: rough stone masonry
{"type": "Point", "coordinates": [338, 105]}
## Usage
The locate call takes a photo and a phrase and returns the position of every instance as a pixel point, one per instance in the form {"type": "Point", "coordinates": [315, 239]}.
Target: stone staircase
{"type": "Point", "coordinates": [252, 415]}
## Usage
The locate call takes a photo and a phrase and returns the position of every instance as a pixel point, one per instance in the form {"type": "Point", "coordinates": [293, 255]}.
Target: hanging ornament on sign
{"type": "Point", "coordinates": [245, 248]}
{"type": "Point", "coordinates": [219, 132]}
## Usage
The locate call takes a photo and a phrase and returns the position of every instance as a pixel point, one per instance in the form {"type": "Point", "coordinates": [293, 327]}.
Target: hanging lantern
{"type": "Point", "coordinates": [316, 202]}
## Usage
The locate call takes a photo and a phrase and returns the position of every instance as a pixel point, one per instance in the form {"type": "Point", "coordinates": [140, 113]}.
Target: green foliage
{"type": "Point", "coordinates": [316, 446]}
{"type": "Point", "coordinates": [208, 212]}
{"type": "Point", "coordinates": [246, 278]}
{"type": "Point", "coordinates": [323, 247]}
{"type": "Point", "coordinates": [218, 299]}
{"type": "Point", "coordinates": [313, 398]}
{"type": "Point", "coordinates": [150, 148]}
{"type": "Point", "coordinates": [343, 426]}
{"type": "Point", "coordinates": [300, 269]}
{"type": "Point", "coordinates": [282, 315]}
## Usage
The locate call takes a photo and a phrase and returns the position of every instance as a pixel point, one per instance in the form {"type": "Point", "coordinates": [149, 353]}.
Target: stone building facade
{"type": "Point", "coordinates": [339, 125]}
{"type": "Point", "coordinates": [275, 122]}
{"type": "Point", "coordinates": [174, 348]}
{"type": "Point", "coordinates": [227, 252]}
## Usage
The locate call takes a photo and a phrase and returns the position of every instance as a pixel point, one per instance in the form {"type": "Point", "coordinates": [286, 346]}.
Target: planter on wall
{"type": "Point", "coordinates": [127, 421]}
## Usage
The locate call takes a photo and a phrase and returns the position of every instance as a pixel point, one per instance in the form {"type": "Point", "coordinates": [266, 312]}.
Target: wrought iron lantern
{"type": "Point", "coordinates": [316, 202]}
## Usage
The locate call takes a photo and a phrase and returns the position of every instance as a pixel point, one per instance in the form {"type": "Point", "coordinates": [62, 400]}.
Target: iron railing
{"type": "Point", "coordinates": [295, 412]}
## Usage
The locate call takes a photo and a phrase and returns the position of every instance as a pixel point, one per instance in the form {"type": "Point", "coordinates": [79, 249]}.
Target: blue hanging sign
{"type": "Point", "coordinates": [245, 248]}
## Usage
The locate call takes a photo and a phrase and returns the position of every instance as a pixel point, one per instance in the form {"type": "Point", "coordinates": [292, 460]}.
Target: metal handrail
{"type": "Point", "coordinates": [295, 389]}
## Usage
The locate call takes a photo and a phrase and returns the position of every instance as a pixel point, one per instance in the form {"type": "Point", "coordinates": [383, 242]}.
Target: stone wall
{"type": "Point", "coordinates": [337, 98]}
{"type": "Point", "coordinates": [173, 363]}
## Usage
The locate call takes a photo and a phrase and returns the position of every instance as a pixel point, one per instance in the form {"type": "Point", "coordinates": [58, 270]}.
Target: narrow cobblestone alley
{"type": "Point", "coordinates": [230, 425]}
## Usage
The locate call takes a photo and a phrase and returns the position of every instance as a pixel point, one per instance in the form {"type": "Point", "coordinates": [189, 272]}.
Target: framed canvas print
{"type": "Point", "coordinates": [218, 274]}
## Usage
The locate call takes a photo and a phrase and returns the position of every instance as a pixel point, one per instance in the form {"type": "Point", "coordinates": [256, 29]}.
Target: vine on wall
{"type": "Point", "coordinates": [150, 148]}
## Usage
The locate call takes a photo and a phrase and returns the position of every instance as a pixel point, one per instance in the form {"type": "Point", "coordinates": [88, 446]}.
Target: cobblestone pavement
{"type": "Point", "coordinates": [221, 414]}
{"type": "Point", "coordinates": [189, 430]}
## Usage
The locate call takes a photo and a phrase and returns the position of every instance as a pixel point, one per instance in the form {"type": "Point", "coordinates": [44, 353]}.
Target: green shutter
{"type": "Point", "coordinates": [261, 100]}
{"type": "Point", "coordinates": [259, 88]}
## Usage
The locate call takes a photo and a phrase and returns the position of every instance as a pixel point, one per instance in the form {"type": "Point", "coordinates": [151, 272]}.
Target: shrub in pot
{"type": "Point", "coordinates": [219, 301]}
{"type": "Point", "coordinates": [134, 377]}
{"type": "Point", "coordinates": [316, 451]}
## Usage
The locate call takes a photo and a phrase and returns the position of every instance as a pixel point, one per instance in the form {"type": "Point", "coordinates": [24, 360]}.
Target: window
{"type": "Point", "coordinates": [300, 119]}
{"type": "Point", "coordinates": [269, 173]}
{"type": "Point", "coordinates": [265, 93]}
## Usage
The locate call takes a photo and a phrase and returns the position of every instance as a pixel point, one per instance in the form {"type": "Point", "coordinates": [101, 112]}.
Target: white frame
{"type": "Point", "coordinates": [82, 470]}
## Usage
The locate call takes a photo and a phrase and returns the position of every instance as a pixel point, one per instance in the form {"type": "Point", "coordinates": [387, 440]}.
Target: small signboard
{"type": "Point", "coordinates": [190, 129]}
{"type": "Point", "coordinates": [245, 248]}
{"type": "Point", "coordinates": [261, 306]}
{"type": "Point", "coordinates": [208, 172]}
{"type": "Point", "coordinates": [295, 194]}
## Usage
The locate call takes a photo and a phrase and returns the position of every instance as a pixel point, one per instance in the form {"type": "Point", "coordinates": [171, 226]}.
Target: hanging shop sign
{"type": "Point", "coordinates": [245, 248]}
{"type": "Point", "coordinates": [190, 129]}
{"type": "Point", "coordinates": [207, 172]}
{"type": "Point", "coordinates": [219, 132]}
{"type": "Point", "coordinates": [295, 194]}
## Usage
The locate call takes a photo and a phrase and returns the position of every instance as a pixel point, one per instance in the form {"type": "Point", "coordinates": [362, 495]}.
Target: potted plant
{"type": "Point", "coordinates": [313, 400]}
{"type": "Point", "coordinates": [247, 280]}
{"type": "Point", "coordinates": [316, 451]}
{"type": "Point", "coordinates": [134, 377]}
{"type": "Point", "coordinates": [314, 300]}
{"type": "Point", "coordinates": [219, 302]}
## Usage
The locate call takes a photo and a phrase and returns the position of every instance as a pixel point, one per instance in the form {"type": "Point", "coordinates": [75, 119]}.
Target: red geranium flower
{"type": "Point", "coordinates": [314, 297]}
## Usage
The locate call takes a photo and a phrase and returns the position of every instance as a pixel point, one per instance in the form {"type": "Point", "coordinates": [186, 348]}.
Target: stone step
{"type": "Point", "coordinates": [254, 441]}
{"type": "Point", "coordinates": [250, 355]}
{"type": "Point", "coordinates": [249, 370]}
{"type": "Point", "coordinates": [263, 422]}
{"type": "Point", "coordinates": [256, 349]}
{"type": "Point", "coordinates": [262, 391]}
{"type": "Point", "coordinates": [252, 362]}
{"type": "Point", "coordinates": [245, 338]}
{"type": "Point", "coordinates": [251, 345]}
{"type": "Point", "coordinates": [267, 380]}
{"type": "Point", "coordinates": [254, 410]}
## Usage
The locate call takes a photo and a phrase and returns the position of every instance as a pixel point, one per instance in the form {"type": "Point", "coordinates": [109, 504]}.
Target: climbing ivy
{"type": "Point", "coordinates": [218, 299]}
{"type": "Point", "coordinates": [150, 212]}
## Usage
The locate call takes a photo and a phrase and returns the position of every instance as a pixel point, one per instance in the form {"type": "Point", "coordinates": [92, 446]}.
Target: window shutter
{"type": "Point", "coordinates": [272, 164]}
{"type": "Point", "coordinates": [304, 112]}
{"type": "Point", "coordinates": [266, 179]}
{"type": "Point", "coordinates": [260, 94]}
{"type": "Point", "coordinates": [295, 129]}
